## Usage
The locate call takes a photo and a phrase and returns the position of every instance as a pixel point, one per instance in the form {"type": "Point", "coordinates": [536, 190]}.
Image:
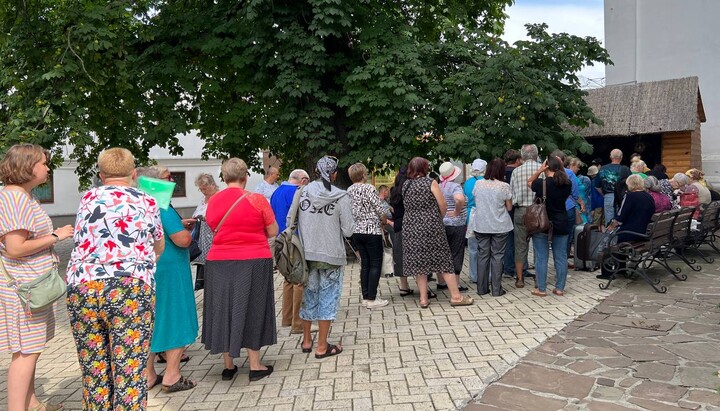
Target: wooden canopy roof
{"type": "Point", "coordinates": [645, 108]}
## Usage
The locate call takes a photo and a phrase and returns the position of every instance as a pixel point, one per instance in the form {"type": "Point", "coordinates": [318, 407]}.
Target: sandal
{"type": "Point", "coordinates": [162, 360]}
{"type": "Point", "coordinates": [182, 384]}
{"type": "Point", "coordinates": [306, 350]}
{"type": "Point", "coordinates": [46, 406]}
{"type": "Point", "coordinates": [431, 294]}
{"type": "Point", "coordinates": [331, 350]}
{"type": "Point", "coordinates": [519, 284]}
{"type": "Point", "coordinates": [538, 293]}
{"type": "Point", "coordinates": [406, 292]}
{"type": "Point", "coordinates": [158, 381]}
{"type": "Point", "coordinates": [426, 305]}
{"type": "Point", "coordinates": [558, 292]}
{"type": "Point", "coordinates": [465, 301]}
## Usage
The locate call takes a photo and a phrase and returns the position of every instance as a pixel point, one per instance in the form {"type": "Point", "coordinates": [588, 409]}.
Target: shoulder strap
{"type": "Point", "coordinates": [247, 193]}
{"type": "Point", "coordinates": [294, 207]}
{"type": "Point", "coordinates": [11, 281]}
{"type": "Point", "coordinates": [544, 188]}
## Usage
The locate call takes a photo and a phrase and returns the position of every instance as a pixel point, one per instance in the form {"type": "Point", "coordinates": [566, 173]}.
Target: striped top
{"type": "Point", "coordinates": [19, 332]}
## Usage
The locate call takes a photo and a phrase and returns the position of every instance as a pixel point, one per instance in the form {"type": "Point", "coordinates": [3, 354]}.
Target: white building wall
{"type": "Point", "coordinates": [651, 40]}
{"type": "Point", "coordinates": [66, 183]}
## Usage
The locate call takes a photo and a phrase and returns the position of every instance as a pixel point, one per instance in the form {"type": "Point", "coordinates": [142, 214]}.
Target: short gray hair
{"type": "Point", "coordinates": [152, 171]}
{"type": "Point", "coordinates": [616, 154]}
{"type": "Point", "coordinates": [205, 180]}
{"type": "Point", "coordinates": [638, 166]}
{"type": "Point", "coordinates": [651, 183]}
{"type": "Point", "coordinates": [681, 179]}
{"type": "Point", "coordinates": [234, 170]}
{"type": "Point", "coordinates": [529, 152]}
{"type": "Point", "coordinates": [635, 183]}
{"type": "Point", "coordinates": [298, 174]}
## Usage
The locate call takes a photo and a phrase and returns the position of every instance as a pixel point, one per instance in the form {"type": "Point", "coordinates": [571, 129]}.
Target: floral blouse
{"type": "Point", "coordinates": [367, 209]}
{"type": "Point", "coordinates": [114, 235]}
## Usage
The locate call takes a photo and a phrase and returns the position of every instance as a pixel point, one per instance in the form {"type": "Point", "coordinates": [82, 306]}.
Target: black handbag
{"type": "Point", "coordinates": [194, 247]}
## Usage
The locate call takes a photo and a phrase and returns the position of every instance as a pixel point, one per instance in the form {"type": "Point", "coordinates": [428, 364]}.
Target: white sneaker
{"type": "Point", "coordinates": [364, 303]}
{"type": "Point", "coordinates": [377, 303]}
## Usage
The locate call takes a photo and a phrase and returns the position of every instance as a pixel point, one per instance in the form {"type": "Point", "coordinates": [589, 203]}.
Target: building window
{"type": "Point", "coordinates": [45, 193]}
{"type": "Point", "coordinates": [179, 178]}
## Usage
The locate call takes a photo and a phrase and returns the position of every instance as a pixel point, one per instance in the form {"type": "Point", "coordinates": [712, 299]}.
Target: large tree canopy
{"type": "Point", "coordinates": [367, 80]}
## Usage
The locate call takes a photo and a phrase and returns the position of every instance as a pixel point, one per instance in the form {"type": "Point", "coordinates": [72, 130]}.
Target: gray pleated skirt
{"type": "Point", "coordinates": [239, 306]}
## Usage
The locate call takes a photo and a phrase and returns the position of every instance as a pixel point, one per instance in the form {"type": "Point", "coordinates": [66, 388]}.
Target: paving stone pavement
{"type": "Point", "coordinates": [396, 358]}
{"type": "Point", "coordinates": [637, 350]}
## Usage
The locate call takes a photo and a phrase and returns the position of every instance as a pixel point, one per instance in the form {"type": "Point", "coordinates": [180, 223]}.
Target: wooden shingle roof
{"type": "Point", "coordinates": [645, 108]}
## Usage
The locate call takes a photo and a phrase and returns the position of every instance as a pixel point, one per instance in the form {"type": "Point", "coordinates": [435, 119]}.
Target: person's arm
{"type": "Point", "coordinates": [435, 188]}
{"type": "Point", "coordinates": [346, 219]}
{"type": "Point", "coordinates": [537, 173]}
{"type": "Point", "coordinates": [181, 239]}
{"type": "Point", "coordinates": [509, 205]}
{"type": "Point", "coordinates": [377, 205]}
{"type": "Point", "coordinates": [271, 230]}
{"type": "Point", "coordinates": [159, 247]}
{"type": "Point", "coordinates": [18, 245]}
{"type": "Point", "coordinates": [459, 198]}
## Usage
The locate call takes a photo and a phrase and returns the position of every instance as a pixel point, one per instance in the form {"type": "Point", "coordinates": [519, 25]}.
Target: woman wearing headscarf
{"type": "Point", "coordinates": [697, 179]}
{"type": "Point", "coordinates": [425, 246]}
{"type": "Point", "coordinates": [324, 219]}
{"type": "Point", "coordinates": [557, 187]}
{"type": "Point", "coordinates": [26, 240]}
{"type": "Point", "coordinates": [111, 285]}
{"type": "Point", "coordinates": [239, 304]}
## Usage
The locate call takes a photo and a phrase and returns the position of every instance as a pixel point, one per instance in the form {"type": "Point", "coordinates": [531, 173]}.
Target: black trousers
{"type": "Point", "coordinates": [456, 240]}
{"type": "Point", "coordinates": [370, 248]}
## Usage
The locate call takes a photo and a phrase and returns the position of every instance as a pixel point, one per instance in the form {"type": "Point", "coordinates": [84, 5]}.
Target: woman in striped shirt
{"type": "Point", "coordinates": [27, 238]}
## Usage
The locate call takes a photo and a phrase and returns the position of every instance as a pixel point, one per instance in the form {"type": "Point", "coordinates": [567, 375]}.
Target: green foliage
{"type": "Point", "coordinates": [371, 81]}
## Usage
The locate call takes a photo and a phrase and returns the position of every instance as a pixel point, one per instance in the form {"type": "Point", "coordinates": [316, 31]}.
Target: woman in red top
{"type": "Point", "coordinates": [239, 305]}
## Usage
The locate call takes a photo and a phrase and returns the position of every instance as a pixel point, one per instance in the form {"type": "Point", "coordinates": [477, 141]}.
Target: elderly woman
{"type": "Point", "coordinates": [491, 225]}
{"type": "Point", "coordinates": [674, 185]}
{"type": "Point", "coordinates": [425, 246]}
{"type": "Point", "coordinates": [322, 237]}
{"type": "Point", "coordinates": [176, 324]}
{"type": "Point", "coordinates": [635, 214]}
{"type": "Point", "coordinates": [26, 240]}
{"type": "Point", "coordinates": [662, 202]}
{"type": "Point", "coordinates": [369, 216]}
{"type": "Point", "coordinates": [556, 187]}
{"type": "Point", "coordinates": [398, 214]}
{"type": "Point", "coordinates": [239, 305]}
{"type": "Point", "coordinates": [697, 179]}
{"type": "Point", "coordinates": [111, 285]}
{"type": "Point", "coordinates": [207, 186]}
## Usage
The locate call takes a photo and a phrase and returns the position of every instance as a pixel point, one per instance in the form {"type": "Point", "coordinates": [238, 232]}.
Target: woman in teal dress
{"type": "Point", "coordinates": [176, 324]}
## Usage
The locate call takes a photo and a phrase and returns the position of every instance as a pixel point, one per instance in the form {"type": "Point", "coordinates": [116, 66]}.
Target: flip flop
{"type": "Point", "coordinates": [158, 381]}
{"type": "Point", "coordinates": [538, 293]}
{"type": "Point", "coordinates": [46, 406]}
{"type": "Point", "coordinates": [405, 292]}
{"type": "Point", "coordinates": [426, 305]}
{"type": "Point", "coordinates": [558, 292]}
{"type": "Point", "coordinates": [161, 358]}
{"type": "Point", "coordinates": [465, 301]}
{"type": "Point", "coordinates": [306, 350]}
{"type": "Point", "coordinates": [331, 350]}
{"type": "Point", "coordinates": [182, 384]}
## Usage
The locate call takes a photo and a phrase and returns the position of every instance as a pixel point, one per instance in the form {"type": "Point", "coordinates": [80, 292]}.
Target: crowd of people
{"type": "Point", "coordinates": [130, 295]}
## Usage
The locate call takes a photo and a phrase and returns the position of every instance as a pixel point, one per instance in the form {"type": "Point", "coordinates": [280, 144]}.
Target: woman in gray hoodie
{"type": "Point", "coordinates": [325, 217]}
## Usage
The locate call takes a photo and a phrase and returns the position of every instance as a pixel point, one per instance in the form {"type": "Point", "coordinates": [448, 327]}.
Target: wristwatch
{"type": "Point", "coordinates": [57, 237]}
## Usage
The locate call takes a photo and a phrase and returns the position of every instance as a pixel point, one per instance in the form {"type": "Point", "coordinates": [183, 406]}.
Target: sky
{"type": "Point", "coordinates": [578, 17]}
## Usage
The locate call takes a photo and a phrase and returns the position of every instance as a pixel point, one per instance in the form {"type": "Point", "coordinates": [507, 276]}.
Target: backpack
{"type": "Point", "coordinates": [288, 249]}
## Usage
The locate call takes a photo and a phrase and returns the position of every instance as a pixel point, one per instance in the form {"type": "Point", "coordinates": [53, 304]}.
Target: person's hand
{"type": "Point", "coordinates": [544, 166]}
{"type": "Point", "coordinates": [64, 232]}
{"type": "Point", "coordinates": [188, 223]}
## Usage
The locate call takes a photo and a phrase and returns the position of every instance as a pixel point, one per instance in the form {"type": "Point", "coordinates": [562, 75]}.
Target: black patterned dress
{"type": "Point", "coordinates": [425, 245]}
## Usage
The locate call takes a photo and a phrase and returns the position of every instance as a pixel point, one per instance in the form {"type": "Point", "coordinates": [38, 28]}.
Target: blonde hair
{"type": "Point", "coordinates": [357, 172]}
{"type": "Point", "coordinates": [17, 165]}
{"type": "Point", "coordinates": [635, 183]}
{"type": "Point", "coordinates": [116, 162]}
{"type": "Point", "coordinates": [154, 171]}
{"type": "Point", "coordinates": [234, 170]}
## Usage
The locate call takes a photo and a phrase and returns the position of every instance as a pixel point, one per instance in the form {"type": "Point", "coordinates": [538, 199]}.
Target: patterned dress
{"type": "Point", "coordinates": [425, 246]}
{"type": "Point", "coordinates": [18, 331]}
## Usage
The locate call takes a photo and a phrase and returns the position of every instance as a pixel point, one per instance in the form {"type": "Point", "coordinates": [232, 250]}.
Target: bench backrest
{"type": "Point", "coordinates": [681, 228]}
{"type": "Point", "coordinates": [660, 230]}
{"type": "Point", "coordinates": [710, 217]}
